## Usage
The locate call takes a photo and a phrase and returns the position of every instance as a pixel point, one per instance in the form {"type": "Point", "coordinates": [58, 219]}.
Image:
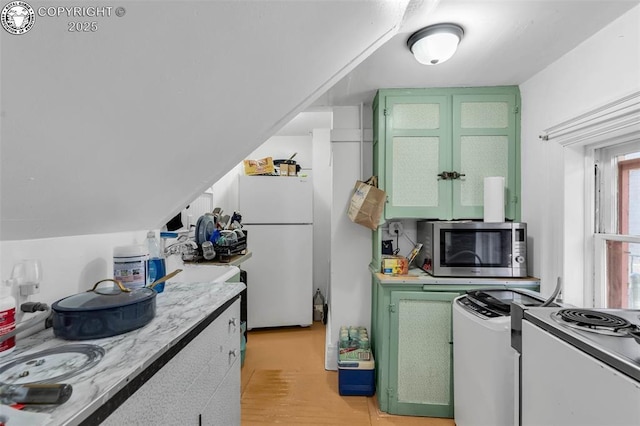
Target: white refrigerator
{"type": "Point", "coordinates": [277, 212]}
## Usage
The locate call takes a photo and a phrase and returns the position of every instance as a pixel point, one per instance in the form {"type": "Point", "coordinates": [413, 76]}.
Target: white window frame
{"type": "Point", "coordinates": [615, 123]}
{"type": "Point", "coordinates": [606, 223]}
{"type": "Point", "coordinates": [599, 261]}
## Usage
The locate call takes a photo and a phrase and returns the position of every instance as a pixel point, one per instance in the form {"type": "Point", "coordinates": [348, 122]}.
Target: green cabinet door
{"type": "Point", "coordinates": [421, 359]}
{"type": "Point", "coordinates": [417, 148]}
{"type": "Point", "coordinates": [421, 133]}
{"type": "Point", "coordinates": [484, 144]}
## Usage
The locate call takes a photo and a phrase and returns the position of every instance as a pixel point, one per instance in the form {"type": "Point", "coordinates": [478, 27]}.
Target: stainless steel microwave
{"type": "Point", "coordinates": [473, 249]}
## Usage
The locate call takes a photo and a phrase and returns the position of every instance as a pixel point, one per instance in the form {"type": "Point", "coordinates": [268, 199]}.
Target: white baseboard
{"type": "Point", "coordinates": [331, 358]}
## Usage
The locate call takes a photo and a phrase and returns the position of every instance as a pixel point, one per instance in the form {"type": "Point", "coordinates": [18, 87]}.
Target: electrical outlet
{"type": "Point", "coordinates": [395, 228]}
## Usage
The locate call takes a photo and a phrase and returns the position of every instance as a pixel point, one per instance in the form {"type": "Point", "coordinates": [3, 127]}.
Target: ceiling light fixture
{"type": "Point", "coordinates": [436, 43]}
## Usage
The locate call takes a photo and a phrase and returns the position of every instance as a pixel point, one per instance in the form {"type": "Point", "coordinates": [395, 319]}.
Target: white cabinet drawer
{"type": "Point", "coordinates": [223, 409]}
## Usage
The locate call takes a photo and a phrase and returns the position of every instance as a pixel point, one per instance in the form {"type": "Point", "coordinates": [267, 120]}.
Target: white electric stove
{"type": "Point", "coordinates": [578, 366]}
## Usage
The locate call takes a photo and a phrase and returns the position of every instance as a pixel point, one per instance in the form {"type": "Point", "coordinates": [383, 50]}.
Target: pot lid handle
{"type": "Point", "coordinates": [122, 288]}
{"type": "Point", "coordinates": [165, 278]}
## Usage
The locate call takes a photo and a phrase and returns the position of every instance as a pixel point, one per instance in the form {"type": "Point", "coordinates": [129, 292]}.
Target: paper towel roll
{"type": "Point", "coordinates": [494, 199]}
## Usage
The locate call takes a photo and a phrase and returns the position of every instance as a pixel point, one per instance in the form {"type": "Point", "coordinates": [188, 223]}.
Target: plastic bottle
{"type": "Point", "coordinates": [7, 319]}
{"type": "Point", "coordinates": [318, 306]}
{"type": "Point", "coordinates": [156, 264]}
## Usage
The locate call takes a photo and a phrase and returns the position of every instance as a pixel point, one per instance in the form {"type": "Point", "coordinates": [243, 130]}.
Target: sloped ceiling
{"type": "Point", "coordinates": [119, 128]}
{"type": "Point", "coordinates": [506, 42]}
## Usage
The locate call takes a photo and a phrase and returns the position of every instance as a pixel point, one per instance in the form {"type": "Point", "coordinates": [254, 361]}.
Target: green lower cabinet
{"type": "Point", "coordinates": [421, 374]}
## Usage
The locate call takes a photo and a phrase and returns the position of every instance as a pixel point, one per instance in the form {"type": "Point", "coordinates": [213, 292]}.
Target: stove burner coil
{"type": "Point", "coordinates": [593, 319]}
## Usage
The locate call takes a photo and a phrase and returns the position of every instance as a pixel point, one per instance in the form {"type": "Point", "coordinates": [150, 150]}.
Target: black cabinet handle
{"type": "Point", "coordinates": [450, 175]}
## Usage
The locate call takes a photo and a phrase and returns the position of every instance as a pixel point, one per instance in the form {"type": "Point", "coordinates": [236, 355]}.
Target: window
{"type": "Point", "coordinates": [617, 233]}
{"type": "Point", "coordinates": [599, 240]}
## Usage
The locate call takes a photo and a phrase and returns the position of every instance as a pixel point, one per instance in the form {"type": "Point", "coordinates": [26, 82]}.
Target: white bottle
{"type": "Point", "coordinates": [130, 265]}
{"type": "Point", "coordinates": [7, 319]}
{"type": "Point", "coordinates": [318, 306]}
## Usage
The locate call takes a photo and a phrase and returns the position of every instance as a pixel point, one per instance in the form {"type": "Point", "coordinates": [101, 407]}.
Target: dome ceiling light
{"type": "Point", "coordinates": [436, 43]}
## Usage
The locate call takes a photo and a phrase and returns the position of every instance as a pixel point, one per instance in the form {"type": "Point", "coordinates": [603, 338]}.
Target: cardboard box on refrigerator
{"type": "Point", "coordinates": [263, 166]}
{"type": "Point", "coordinates": [287, 169]}
{"type": "Point", "coordinates": [292, 169]}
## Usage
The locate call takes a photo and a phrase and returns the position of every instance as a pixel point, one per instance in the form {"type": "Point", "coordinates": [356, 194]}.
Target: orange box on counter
{"type": "Point", "coordinates": [395, 265]}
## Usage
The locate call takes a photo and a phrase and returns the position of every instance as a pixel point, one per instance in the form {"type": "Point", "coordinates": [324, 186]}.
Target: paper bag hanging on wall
{"type": "Point", "coordinates": [367, 203]}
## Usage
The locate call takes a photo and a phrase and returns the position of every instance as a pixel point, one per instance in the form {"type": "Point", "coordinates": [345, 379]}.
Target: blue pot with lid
{"type": "Point", "coordinates": [105, 311]}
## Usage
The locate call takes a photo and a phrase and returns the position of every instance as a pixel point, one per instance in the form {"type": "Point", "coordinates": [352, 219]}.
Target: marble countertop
{"type": "Point", "coordinates": [179, 309]}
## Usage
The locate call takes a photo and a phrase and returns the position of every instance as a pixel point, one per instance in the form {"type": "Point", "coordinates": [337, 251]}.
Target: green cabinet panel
{"type": "Point", "coordinates": [484, 144]}
{"type": "Point", "coordinates": [421, 133]}
{"type": "Point", "coordinates": [417, 144]}
{"type": "Point", "coordinates": [421, 364]}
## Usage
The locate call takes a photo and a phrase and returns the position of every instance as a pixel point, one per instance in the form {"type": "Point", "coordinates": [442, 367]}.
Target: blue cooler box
{"type": "Point", "coordinates": [356, 376]}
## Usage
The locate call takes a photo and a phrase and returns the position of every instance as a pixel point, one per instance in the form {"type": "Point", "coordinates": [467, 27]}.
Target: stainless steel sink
{"type": "Point", "coordinates": [51, 365]}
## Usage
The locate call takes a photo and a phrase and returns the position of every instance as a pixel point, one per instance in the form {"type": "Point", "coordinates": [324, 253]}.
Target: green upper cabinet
{"type": "Point", "coordinates": [434, 147]}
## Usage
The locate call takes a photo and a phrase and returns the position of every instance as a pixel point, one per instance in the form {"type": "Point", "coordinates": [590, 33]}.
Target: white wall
{"type": "Point", "coordinates": [350, 288]}
{"type": "Point", "coordinates": [601, 69]}
{"type": "Point", "coordinates": [225, 190]}
{"type": "Point", "coordinates": [407, 241]}
{"type": "Point", "coordinates": [321, 209]}
{"type": "Point", "coordinates": [70, 265]}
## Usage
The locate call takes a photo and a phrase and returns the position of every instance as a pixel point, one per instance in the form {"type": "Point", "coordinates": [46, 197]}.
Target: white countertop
{"type": "Point", "coordinates": [179, 309]}
{"type": "Point", "coordinates": [419, 277]}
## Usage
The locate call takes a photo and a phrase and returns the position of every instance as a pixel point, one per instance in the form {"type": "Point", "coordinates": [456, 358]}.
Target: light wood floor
{"type": "Point", "coordinates": [284, 382]}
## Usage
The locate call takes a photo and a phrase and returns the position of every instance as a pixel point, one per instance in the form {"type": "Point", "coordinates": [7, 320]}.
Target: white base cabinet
{"type": "Point", "coordinates": [224, 406]}
{"type": "Point", "coordinates": [200, 385]}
